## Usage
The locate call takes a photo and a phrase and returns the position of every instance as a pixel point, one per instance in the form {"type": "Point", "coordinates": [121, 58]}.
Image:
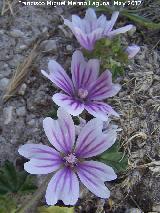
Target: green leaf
{"type": "Point", "coordinates": [7, 205]}
{"type": "Point", "coordinates": [53, 112]}
{"type": "Point", "coordinates": [56, 209]}
{"type": "Point", "coordinates": [13, 181]}
{"type": "Point", "coordinates": [114, 158]}
{"type": "Point", "coordinates": [142, 21]}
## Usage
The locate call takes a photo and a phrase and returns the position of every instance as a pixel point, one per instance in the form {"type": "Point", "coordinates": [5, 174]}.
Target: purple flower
{"type": "Point", "coordinates": [86, 90]}
{"type": "Point", "coordinates": [132, 50]}
{"type": "Point", "coordinates": [90, 29]}
{"type": "Point", "coordinates": [68, 159]}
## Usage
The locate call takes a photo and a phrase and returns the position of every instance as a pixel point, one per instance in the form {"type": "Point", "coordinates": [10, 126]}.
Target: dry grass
{"type": "Point", "coordinates": [21, 72]}
{"type": "Point", "coordinates": [8, 6]}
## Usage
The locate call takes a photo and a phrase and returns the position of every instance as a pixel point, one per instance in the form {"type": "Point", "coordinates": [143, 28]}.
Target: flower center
{"type": "Point", "coordinates": [70, 159]}
{"type": "Point", "coordinates": [82, 93]}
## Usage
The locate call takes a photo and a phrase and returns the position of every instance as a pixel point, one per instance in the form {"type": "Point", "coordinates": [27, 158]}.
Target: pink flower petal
{"type": "Point", "coordinates": [63, 186]}
{"type": "Point", "coordinates": [132, 50]}
{"type": "Point", "coordinates": [77, 21]}
{"type": "Point", "coordinates": [103, 88]}
{"type": "Point", "coordinates": [94, 184]}
{"type": "Point", "coordinates": [59, 77]}
{"type": "Point", "coordinates": [90, 15]}
{"type": "Point", "coordinates": [83, 74]}
{"type": "Point", "coordinates": [44, 159]}
{"type": "Point", "coordinates": [113, 20]}
{"type": "Point", "coordinates": [102, 21]}
{"type": "Point", "coordinates": [37, 150]}
{"type": "Point", "coordinates": [91, 141]}
{"type": "Point", "coordinates": [98, 170]}
{"type": "Point", "coordinates": [70, 104]}
{"type": "Point", "coordinates": [42, 166]}
{"type": "Point", "coordinates": [86, 40]}
{"type": "Point", "coordinates": [100, 110]}
{"type": "Point", "coordinates": [61, 132]}
{"type": "Point", "coordinates": [120, 30]}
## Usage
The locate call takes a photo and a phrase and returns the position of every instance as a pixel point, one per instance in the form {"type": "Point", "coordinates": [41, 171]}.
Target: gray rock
{"type": "Point", "coordinates": [2, 139]}
{"type": "Point", "coordinates": [8, 114]}
{"type": "Point", "coordinates": [21, 111]}
{"type": "Point", "coordinates": [49, 46]}
{"type": "Point", "coordinates": [69, 48]}
{"type": "Point", "coordinates": [3, 83]}
{"type": "Point", "coordinates": [16, 33]}
{"type": "Point", "coordinates": [133, 210]}
{"type": "Point", "coordinates": [32, 123]}
{"type": "Point", "coordinates": [156, 208]}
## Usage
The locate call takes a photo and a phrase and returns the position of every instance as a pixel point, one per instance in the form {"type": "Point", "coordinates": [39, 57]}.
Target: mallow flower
{"type": "Point", "coordinates": [68, 158]}
{"type": "Point", "coordinates": [132, 50]}
{"type": "Point", "coordinates": [86, 90]}
{"type": "Point", "coordinates": [90, 29]}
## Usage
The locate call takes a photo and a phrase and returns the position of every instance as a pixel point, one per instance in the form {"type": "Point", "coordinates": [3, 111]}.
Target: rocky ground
{"type": "Point", "coordinates": [136, 190]}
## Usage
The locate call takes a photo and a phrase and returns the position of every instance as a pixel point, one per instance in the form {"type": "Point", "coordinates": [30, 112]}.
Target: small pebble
{"type": "Point", "coordinates": [16, 33]}
{"type": "Point", "coordinates": [21, 111]}
{"type": "Point", "coordinates": [8, 114]}
{"type": "Point", "coordinates": [3, 83]}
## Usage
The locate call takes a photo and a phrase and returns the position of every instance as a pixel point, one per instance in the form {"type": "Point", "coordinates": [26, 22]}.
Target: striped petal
{"type": "Point", "coordinates": [44, 159]}
{"type": "Point", "coordinates": [83, 74]}
{"type": "Point", "coordinates": [86, 40]}
{"type": "Point", "coordinates": [91, 141]}
{"type": "Point", "coordinates": [98, 170]}
{"type": "Point", "coordinates": [63, 186]}
{"type": "Point", "coordinates": [59, 77]}
{"type": "Point", "coordinates": [94, 184]}
{"type": "Point", "coordinates": [100, 110]}
{"type": "Point", "coordinates": [103, 88]}
{"type": "Point", "coordinates": [70, 104]}
{"type": "Point", "coordinates": [61, 132]}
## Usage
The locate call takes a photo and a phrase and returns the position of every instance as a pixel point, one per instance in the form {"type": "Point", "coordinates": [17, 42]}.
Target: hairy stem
{"type": "Point", "coordinates": [29, 203]}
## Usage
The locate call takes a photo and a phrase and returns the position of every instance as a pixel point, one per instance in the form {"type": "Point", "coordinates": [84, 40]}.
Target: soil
{"type": "Point", "coordinates": [138, 102]}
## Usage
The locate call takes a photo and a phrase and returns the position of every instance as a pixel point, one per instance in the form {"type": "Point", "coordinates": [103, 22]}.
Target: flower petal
{"type": "Point", "coordinates": [70, 104]}
{"type": "Point", "coordinates": [90, 15]}
{"type": "Point", "coordinates": [94, 184]}
{"type": "Point", "coordinates": [100, 110]}
{"type": "Point", "coordinates": [102, 21]}
{"type": "Point", "coordinates": [85, 39]}
{"type": "Point", "coordinates": [44, 159]}
{"type": "Point", "coordinates": [113, 20]}
{"type": "Point", "coordinates": [98, 170]}
{"type": "Point", "coordinates": [83, 74]}
{"type": "Point", "coordinates": [63, 186]}
{"type": "Point", "coordinates": [44, 166]}
{"type": "Point", "coordinates": [61, 132]}
{"type": "Point", "coordinates": [120, 30]}
{"type": "Point", "coordinates": [103, 88]}
{"type": "Point", "coordinates": [37, 150]}
{"type": "Point", "coordinates": [77, 21]}
{"type": "Point", "coordinates": [59, 77]}
{"type": "Point", "coordinates": [132, 50]}
{"type": "Point", "coordinates": [91, 141]}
